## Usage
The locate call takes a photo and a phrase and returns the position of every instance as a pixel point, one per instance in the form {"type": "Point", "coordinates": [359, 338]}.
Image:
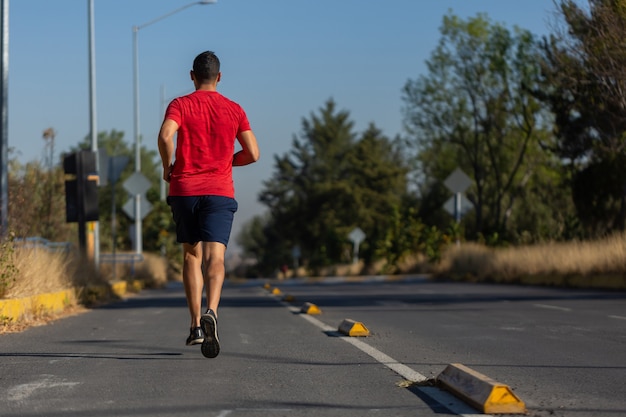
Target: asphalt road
{"type": "Point", "coordinates": [563, 352]}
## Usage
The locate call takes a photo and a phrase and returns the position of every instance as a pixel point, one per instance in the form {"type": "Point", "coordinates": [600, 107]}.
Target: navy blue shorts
{"type": "Point", "coordinates": [206, 218]}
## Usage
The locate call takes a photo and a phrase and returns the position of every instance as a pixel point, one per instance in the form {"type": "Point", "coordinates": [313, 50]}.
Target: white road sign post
{"type": "Point", "coordinates": [138, 206]}
{"type": "Point", "coordinates": [356, 236]}
{"type": "Point", "coordinates": [295, 254]}
{"type": "Point", "coordinates": [457, 182]}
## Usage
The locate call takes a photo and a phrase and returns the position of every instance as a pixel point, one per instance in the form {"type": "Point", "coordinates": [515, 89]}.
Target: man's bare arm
{"type": "Point", "coordinates": [166, 146]}
{"type": "Point", "coordinates": [249, 152]}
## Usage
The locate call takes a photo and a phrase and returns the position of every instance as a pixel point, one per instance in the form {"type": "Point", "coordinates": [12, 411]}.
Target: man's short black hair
{"type": "Point", "coordinates": [206, 66]}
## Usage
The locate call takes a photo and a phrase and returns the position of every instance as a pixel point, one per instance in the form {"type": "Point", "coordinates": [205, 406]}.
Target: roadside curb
{"type": "Point", "coordinates": [15, 309]}
{"type": "Point", "coordinates": [268, 283]}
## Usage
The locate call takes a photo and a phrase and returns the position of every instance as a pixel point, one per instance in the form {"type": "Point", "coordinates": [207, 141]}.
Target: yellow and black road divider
{"type": "Point", "coordinates": [353, 328]}
{"type": "Point", "coordinates": [480, 391]}
{"type": "Point", "coordinates": [310, 308]}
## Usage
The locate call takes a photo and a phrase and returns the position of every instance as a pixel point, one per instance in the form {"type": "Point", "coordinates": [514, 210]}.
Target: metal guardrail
{"type": "Point", "coordinates": [37, 242]}
{"type": "Point", "coordinates": [122, 258]}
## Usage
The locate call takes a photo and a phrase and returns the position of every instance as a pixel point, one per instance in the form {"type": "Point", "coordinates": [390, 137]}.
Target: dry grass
{"type": "Point", "coordinates": [555, 263]}
{"type": "Point", "coordinates": [156, 271]}
{"type": "Point", "coordinates": [407, 265]}
{"type": "Point", "coordinates": [40, 271]}
{"type": "Point", "coordinates": [599, 263]}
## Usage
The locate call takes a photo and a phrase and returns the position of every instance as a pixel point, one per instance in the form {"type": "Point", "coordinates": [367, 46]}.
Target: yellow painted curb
{"type": "Point", "coordinates": [353, 328]}
{"type": "Point", "coordinates": [310, 308]}
{"type": "Point", "coordinates": [480, 391]}
{"type": "Point", "coordinates": [16, 308]}
{"type": "Point", "coordinates": [120, 288]}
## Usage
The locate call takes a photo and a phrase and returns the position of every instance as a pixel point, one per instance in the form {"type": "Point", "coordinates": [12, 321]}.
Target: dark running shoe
{"type": "Point", "coordinates": [195, 336]}
{"type": "Point", "coordinates": [211, 343]}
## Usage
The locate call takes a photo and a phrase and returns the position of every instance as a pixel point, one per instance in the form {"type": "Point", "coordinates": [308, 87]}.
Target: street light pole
{"type": "Point", "coordinates": [136, 29]}
{"type": "Point", "coordinates": [93, 129]}
{"type": "Point", "coordinates": [4, 118]}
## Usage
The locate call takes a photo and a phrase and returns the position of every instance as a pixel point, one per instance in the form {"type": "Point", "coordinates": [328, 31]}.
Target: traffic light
{"type": "Point", "coordinates": [81, 187]}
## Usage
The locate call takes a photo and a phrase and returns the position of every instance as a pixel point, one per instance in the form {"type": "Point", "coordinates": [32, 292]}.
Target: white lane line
{"type": "Point", "coordinates": [552, 307]}
{"type": "Point", "coordinates": [447, 400]}
{"type": "Point", "coordinates": [399, 368]}
{"type": "Point", "coordinates": [264, 411]}
{"type": "Point", "coordinates": [618, 317]}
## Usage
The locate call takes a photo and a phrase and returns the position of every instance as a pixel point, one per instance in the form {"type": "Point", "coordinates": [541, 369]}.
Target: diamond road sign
{"type": "Point", "coordinates": [115, 167]}
{"type": "Point", "coordinates": [356, 235]}
{"type": "Point", "coordinates": [450, 205]}
{"type": "Point", "coordinates": [144, 207]}
{"type": "Point", "coordinates": [458, 181]}
{"type": "Point", "coordinates": [137, 183]}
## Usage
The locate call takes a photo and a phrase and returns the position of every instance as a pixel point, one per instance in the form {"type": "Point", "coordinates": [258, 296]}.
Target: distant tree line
{"type": "Point", "coordinates": [538, 124]}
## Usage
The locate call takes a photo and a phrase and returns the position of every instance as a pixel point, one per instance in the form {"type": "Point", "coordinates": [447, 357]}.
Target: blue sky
{"type": "Point", "coordinates": [281, 60]}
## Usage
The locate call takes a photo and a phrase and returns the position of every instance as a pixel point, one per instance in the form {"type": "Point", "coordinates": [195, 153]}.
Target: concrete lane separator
{"type": "Point", "coordinates": [289, 298]}
{"type": "Point", "coordinates": [353, 328]}
{"type": "Point", "coordinates": [272, 290]}
{"type": "Point", "coordinates": [480, 391]}
{"type": "Point", "coordinates": [449, 401]}
{"type": "Point", "coordinates": [399, 368]}
{"type": "Point", "coordinates": [310, 308]}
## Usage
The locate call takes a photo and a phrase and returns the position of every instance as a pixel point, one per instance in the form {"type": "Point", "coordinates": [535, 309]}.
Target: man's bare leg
{"type": "Point", "coordinates": [193, 280]}
{"type": "Point", "coordinates": [214, 272]}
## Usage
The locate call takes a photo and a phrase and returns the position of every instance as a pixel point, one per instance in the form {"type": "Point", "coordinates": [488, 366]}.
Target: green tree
{"type": "Point", "coordinates": [37, 202]}
{"type": "Point", "coordinates": [584, 83]}
{"type": "Point", "coordinates": [37, 197]}
{"type": "Point", "coordinates": [377, 185]}
{"type": "Point", "coordinates": [472, 111]}
{"type": "Point", "coordinates": [304, 194]}
{"type": "Point", "coordinates": [261, 242]}
{"type": "Point", "coordinates": [329, 183]}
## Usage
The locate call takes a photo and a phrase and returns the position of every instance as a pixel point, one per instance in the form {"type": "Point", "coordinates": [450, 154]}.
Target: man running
{"type": "Point", "coordinates": [201, 195]}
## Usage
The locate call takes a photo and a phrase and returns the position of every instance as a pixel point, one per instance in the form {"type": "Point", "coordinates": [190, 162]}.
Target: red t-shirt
{"type": "Point", "coordinates": [208, 127]}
